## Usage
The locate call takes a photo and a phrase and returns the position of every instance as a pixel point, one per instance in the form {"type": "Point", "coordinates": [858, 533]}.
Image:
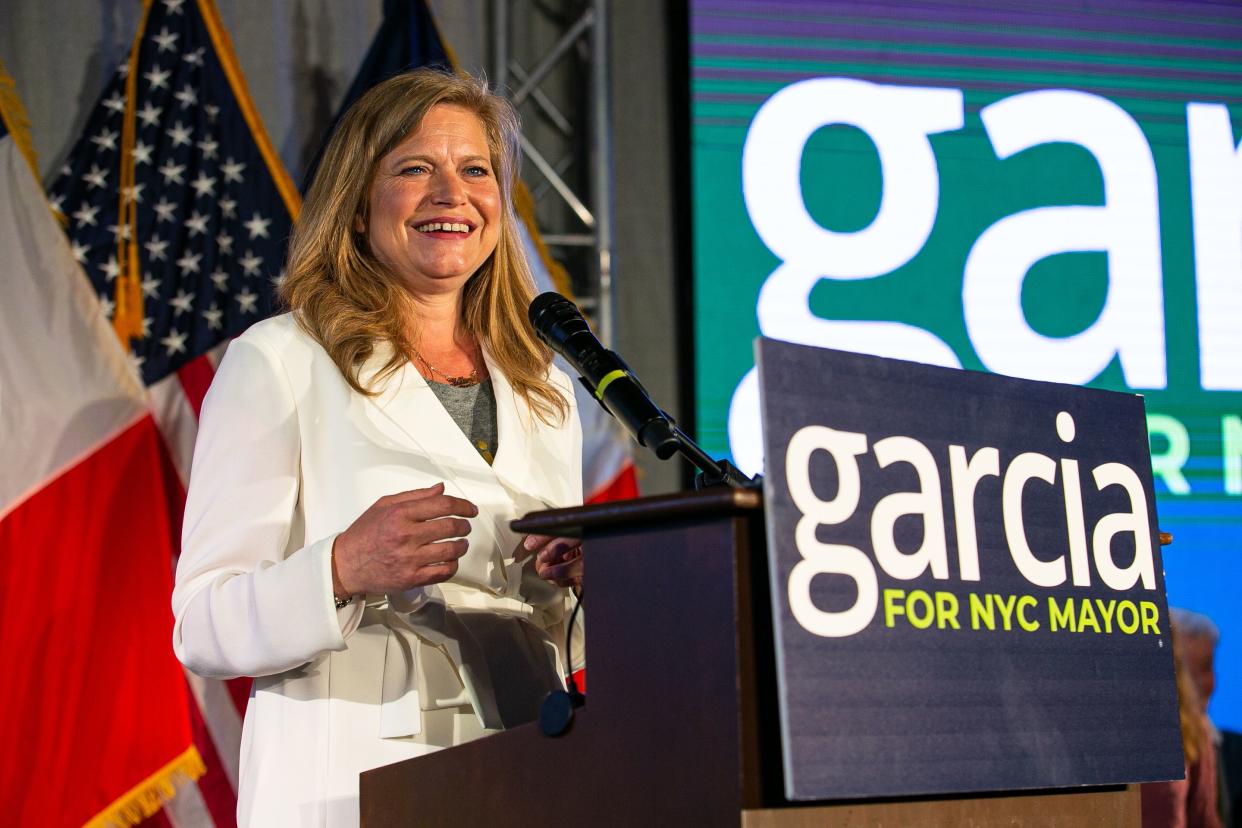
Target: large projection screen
{"type": "Point", "coordinates": [1046, 190]}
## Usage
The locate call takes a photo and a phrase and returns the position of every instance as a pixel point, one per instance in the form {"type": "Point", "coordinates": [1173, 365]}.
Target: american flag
{"type": "Point", "coordinates": [209, 222]}
{"type": "Point", "coordinates": [179, 211]}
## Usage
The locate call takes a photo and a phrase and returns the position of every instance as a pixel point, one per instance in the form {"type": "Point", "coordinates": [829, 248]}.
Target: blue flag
{"type": "Point", "coordinates": [407, 39]}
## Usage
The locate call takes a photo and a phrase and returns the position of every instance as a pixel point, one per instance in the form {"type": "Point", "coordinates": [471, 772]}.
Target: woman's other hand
{"type": "Point", "coordinates": [402, 541]}
{"type": "Point", "coordinates": [558, 560]}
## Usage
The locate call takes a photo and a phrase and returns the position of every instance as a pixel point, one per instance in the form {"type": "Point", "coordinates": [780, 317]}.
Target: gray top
{"type": "Point", "coordinates": [473, 408]}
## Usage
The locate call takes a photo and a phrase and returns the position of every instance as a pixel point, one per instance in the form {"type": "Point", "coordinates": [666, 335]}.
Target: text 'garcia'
{"type": "Point", "coordinates": [926, 504]}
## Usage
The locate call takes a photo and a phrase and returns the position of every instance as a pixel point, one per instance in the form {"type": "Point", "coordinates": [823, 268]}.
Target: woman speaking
{"type": "Point", "coordinates": [359, 459]}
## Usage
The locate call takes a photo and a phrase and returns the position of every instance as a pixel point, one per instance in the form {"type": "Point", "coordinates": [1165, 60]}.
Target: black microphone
{"type": "Point", "coordinates": [559, 325]}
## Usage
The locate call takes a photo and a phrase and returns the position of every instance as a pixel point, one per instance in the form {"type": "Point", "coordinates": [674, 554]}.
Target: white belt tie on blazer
{"type": "Point", "coordinates": [454, 640]}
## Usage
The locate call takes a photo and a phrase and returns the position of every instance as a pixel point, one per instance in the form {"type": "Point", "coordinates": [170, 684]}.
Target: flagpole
{"type": "Point", "coordinates": [601, 168]}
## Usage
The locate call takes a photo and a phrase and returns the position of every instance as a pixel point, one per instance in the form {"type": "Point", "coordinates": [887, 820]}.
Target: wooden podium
{"type": "Point", "coordinates": [681, 724]}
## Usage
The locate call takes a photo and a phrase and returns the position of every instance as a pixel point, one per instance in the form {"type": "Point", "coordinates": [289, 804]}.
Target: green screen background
{"type": "Point", "coordinates": [1150, 63]}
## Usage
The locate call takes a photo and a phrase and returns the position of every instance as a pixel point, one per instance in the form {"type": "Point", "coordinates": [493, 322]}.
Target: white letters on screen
{"type": "Point", "coordinates": [1126, 227]}
{"type": "Point", "coordinates": [1168, 464]}
{"type": "Point", "coordinates": [1216, 202]}
{"type": "Point", "coordinates": [898, 120]}
{"type": "Point", "coordinates": [1231, 440]}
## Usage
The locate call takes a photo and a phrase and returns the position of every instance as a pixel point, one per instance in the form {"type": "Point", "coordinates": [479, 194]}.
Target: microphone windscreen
{"type": "Point", "coordinates": [543, 303]}
{"type": "Point", "coordinates": [556, 320]}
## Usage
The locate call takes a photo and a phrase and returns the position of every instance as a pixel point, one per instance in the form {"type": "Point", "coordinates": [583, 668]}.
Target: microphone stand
{"type": "Point", "coordinates": [665, 438]}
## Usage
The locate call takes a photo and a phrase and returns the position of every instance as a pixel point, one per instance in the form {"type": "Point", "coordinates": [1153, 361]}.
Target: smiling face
{"type": "Point", "coordinates": [434, 211]}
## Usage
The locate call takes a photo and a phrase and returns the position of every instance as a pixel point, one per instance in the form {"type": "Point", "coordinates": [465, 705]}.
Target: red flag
{"type": "Point", "coordinates": [94, 723]}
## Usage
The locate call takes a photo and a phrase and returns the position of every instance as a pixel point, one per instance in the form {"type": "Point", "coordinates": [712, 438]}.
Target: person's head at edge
{"type": "Point", "coordinates": [357, 264]}
{"type": "Point", "coordinates": [1197, 637]}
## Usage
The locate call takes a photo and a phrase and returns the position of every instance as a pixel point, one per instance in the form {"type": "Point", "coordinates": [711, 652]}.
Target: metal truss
{"type": "Point", "coordinates": [551, 58]}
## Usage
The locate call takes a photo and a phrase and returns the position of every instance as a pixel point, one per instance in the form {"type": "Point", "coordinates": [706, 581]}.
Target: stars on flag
{"type": "Point", "coordinates": [157, 77]}
{"type": "Point", "coordinates": [203, 185]}
{"type": "Point", "coordinates": [187, 96]}
{"type": "Point", "coordinates": [208, 147]}
{"type": "Point", "coordinates": [196, 224]}
{"type": "Point", "coordinates": [156, 248]}
{"type": "Point", "coordinates": [174, 342]}
{"type": "Point", "coordinates": [232, 170]}
{"type": "Point", "coordinates": [247, 301]}
{"type": "Point", "coordinates": [198, 185]}
{"type": "Point", "coordinates": [213, 316]}
{"type": "Point", "coordinates": [179, 133]}
{"type": "Point", "coordinates": [110, 269]}
{"type": "Point", "coordinates": [251, 263]}
{"type": "Point", "coordinates": [189, 263]}
{"type": "Point", "coordinates": [181, 303]}
{"type": "Point", "coordinates": [106, 139]}
{"type": "Point", "coordinates": [257, 226]}
{"type": "Point", "coordinates": [172, 172]}
{"type": "Point", "coordinates": [149, 114]}
{"type": "Point", "coordinates": [166, 40]}
{"type": "Point", "coordinates": [96, 177]}
{"type": "Point", "coordinates": [86, 214]}
{"type": "Point", "coordinates": [164, 210]}
{"type": "Point", "coordinates": [141, 153]}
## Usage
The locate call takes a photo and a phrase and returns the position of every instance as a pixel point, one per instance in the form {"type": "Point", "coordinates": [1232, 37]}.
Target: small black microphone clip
{"type": "Point", "coordinates": [556, 714]}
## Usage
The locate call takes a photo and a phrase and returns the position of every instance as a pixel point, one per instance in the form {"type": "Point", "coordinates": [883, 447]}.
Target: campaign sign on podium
{"type": "Point", "coordinates": [967, 587]}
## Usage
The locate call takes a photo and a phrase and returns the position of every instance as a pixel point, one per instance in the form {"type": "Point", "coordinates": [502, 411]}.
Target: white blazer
{"type": "Point", "coordinates": [288, 455]}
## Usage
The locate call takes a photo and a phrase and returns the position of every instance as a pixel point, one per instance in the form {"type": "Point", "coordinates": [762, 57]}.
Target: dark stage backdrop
{"type": "Point", "coordinates": [1047, 190]}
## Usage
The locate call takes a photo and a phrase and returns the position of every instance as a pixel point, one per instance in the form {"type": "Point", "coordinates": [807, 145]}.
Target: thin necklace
{"type": "Point", "coordinates": [457, 382]}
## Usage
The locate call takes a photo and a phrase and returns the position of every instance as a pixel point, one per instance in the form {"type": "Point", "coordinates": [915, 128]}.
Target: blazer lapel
{"type": "Point", "coordinates": [408, 411]}
{"type": "Point", "coordinates": [530, 461]}
{"type": "Point", "coordinates": [515, 454]}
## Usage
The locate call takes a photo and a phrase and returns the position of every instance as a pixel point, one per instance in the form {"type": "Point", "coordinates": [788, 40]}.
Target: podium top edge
{"type": "Point", "coordinates": [574, 521]}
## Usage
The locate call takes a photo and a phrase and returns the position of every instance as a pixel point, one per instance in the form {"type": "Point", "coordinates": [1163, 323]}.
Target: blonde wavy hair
{"type": "Point", "coordinates": [345, 298]}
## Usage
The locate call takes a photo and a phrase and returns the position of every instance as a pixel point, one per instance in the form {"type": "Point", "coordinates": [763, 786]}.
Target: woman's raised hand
{"type": "Point", "coordinates": [402, 542]}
